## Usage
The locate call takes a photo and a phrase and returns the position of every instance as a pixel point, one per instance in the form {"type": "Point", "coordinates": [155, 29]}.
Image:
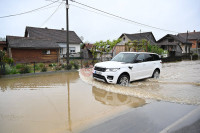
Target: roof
{"type": "Point", "coordinates": [32, 43]}
{"type": "Point", "coordinates": [88, 46]}
{"type": "Point", "coordinates": [2, 42]}
{"type": "Point", "coordinates": [52, 34]}
{"type": "Point", "coordinates": [139, 36]}
{"type": "Point", "coordinates": [177, 38]}
{"type": "Point", "coordinates": [191, 35]}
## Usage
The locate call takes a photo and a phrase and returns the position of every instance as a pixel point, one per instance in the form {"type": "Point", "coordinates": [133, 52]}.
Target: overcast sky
{"type": "Point", "coordinates": [174, 15]}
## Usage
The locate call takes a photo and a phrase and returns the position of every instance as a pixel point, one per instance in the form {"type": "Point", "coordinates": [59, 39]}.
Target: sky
{"type": "Point", "coordinates": [173, 15]}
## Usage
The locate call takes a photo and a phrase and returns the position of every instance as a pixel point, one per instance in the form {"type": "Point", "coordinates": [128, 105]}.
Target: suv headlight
{"type": "Point", "coordinates": [112, 69]}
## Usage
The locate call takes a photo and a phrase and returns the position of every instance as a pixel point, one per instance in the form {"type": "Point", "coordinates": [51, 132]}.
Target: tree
{"type": "Point", "coordinates": [104, 47]}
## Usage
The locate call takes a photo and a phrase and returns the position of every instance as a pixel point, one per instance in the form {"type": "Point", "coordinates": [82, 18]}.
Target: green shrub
{"type": "Point", "coordinates": [41, 65]}
{"type": "Point", "coordinates": [52, 65]}
{"type": "Point", "coordinates": [63, 66]}
{"type": "Point", "coordinates": [25, 69]}
{"type": "Point", "coordinates": [76, 66]}
{"type": "Point", "coordinates": [18, 66]}
{"type": "Point", "coordinates": [10, 70]}
{"type": "Point", "coordinates": [37, 67]}
{"type": "Point", "coordinates": [68, 67]}
{"type": "Point", "coordinates": [195, 56]}
{"type": "Point", "coordinates": [44, 69]}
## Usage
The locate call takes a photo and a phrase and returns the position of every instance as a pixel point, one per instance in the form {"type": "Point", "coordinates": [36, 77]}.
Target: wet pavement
{"type": "Point", "coordinates": [74, 102]}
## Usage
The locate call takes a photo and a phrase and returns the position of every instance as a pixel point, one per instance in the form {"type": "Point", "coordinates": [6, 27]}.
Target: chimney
{"type": "Point", "coordinates": [194, 30]}
{"type": "Point", "coordinates": [62, 28]}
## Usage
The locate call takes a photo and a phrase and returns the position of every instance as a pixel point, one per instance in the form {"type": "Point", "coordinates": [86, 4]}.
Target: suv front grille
{"type": "Point", "coordinates": [100, 69]}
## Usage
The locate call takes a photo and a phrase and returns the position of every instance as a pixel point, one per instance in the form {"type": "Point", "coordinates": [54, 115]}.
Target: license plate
{"type": "Point", "coordinates": [97, 72]}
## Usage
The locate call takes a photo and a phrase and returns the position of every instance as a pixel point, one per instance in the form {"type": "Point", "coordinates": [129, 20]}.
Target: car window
{"type": "Point", "coordinates": [155, 57]}
{"type": "Point", "coordinates": [149, 57]}
{"type": "Point", "coordinates": [124, 57]}
{"type": "Point", "coordinates": [141, 57]}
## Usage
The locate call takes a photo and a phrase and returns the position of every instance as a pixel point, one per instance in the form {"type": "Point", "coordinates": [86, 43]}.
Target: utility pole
{"type": "Point", "coordinates": [67, 33]}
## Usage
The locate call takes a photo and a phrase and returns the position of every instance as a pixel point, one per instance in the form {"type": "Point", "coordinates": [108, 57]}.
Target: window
{"type": "Point", "coordinates": [141, 57]}
{"type": "Point", "coordinates": [46, 52]}
{"type": "Point", "coordinates": [72, 50]}
{"type": "Point", "coordinates": [149, 57]}
{"type": "Point", "coordinates": [155, 57]}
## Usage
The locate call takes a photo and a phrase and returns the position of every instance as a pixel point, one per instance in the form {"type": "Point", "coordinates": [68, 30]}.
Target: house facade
{"type": "Point", "coordinates": [28, 50]}
{"type": "Point", "coordinates": [58, 36]}
{"type": "Point", "coordinates": [42, 45]}
{"type": "Point", "coordinates": [3, 46]}
{"type": "Point", "coordinates": [194, 38]}
{"type": "Point", "coordinates": [120, 47]}
{"type": "Point", "coordinates": [175, 45]}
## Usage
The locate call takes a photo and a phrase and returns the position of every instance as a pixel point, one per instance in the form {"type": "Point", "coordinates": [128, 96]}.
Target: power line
{"type": "Point", "coordinates": [52, 14]}
{"type": "Point", "coordinates": [29, 11]}
{"type": "Point", "coordinates": [123, 17]}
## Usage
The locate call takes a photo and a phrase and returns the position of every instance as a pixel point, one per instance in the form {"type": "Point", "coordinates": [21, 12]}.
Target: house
{"type": "Point", "coordinates": [3, 46]}
{"type": "Point", "coordinates": [58, 36]}
{"type": "Point", "coordinates": [27, 49]}
{"type": "Point", "coordinates": [42, 45]}
{"type": "Point", "coordinates": [120, 47]}
{"type": "Point", "coordinates": [86, 51]}
{"type": "Point", "coordinates": [175, 45]}
{"type": "Point", "coordinates": [194, 38]}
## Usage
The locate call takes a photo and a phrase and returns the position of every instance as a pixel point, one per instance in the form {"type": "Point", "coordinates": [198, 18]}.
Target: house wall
{"type": "Point", "coordinates": [194, 43]}
{"type": "Point", "coordinates": [34, 55]}
{"type": "Point", "coordinates": [118, 49]}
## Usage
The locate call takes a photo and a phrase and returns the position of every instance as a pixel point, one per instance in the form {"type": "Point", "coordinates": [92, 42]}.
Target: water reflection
{"type": "Point", "coordinates": [114, 99]}
{"type": "Point", "coordinates": [42, 81]}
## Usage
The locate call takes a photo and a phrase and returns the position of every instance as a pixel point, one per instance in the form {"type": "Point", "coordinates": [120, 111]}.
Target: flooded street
{"type": "Point", "coordinates": [73, 101]}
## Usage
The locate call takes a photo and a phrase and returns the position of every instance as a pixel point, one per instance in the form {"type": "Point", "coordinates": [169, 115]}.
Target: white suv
{"type": "Point", "coordinates": [128, 66]}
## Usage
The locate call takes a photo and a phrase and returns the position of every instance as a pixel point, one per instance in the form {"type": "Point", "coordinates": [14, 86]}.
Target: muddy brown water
{"type": "Point", "coordinates": [69, 102]}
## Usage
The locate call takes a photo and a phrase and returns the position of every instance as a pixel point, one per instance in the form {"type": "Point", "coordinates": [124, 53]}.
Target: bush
{"type": "Point", "coordinates": [195, 56]}
{"type": "Point", "coordinates": [44, 69]}
{"type": "Point", "coordinates": [76, 66]}
{"type": "Point", "coordinates": [18, 66]}
{"type": "Point", "coordinates": [41, 65]}
{"type": "Point", "coordinates": [37, 67]}
{"type": "Point", "coordinates": [68, 67]}
{"type": "Point", "coordinates": [52, 65]}
{"type": "Point", "coordinates": [25, 69]}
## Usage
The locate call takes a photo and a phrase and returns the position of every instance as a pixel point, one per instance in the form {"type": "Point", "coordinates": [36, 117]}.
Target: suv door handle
{"type": "Point", "coordinates": [130, 67]}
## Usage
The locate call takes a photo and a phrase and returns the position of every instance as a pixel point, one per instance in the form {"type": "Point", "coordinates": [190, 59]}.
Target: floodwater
{"type": "Point", "coordinates": [56, 103]}
{"type": "Point", "coordinates": [178, 83]}
{"type": "Point", "coordinates": [71, 102]}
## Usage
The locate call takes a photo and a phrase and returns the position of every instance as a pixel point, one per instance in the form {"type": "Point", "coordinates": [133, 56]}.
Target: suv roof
{"type": "Point", "coordinates": [140, 52]}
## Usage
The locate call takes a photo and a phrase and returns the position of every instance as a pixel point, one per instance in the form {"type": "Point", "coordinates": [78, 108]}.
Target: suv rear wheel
{"type": "Point", "coordinates": [123, 80]}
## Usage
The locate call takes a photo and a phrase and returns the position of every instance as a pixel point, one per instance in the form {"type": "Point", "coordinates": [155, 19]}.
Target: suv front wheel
{"type": "Point", "coordinates": [123, 80]}
{"type": "Point", "coordinates": [156, 74]}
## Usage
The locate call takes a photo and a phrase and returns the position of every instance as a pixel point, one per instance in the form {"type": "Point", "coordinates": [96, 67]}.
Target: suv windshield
{"type": "Point", "coordinates": [124, 57]}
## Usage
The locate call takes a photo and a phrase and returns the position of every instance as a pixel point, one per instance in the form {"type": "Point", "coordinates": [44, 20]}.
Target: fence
{"type": "Point", "coordinates": [2, 68]}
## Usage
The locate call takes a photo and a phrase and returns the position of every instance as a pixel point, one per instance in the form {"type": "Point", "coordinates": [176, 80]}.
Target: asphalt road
{"type": "Point", "coordinates": [152, 118]}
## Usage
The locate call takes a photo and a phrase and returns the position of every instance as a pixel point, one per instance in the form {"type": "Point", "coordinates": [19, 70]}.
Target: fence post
{"type": "Point", "coordinates": [34, 67]}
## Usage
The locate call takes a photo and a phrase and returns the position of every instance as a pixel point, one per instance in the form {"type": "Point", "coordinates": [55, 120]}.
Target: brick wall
{"type": "Point", "coordinates": [194, 42]}
{"type": "Point", "coordinates": [33, 55]}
